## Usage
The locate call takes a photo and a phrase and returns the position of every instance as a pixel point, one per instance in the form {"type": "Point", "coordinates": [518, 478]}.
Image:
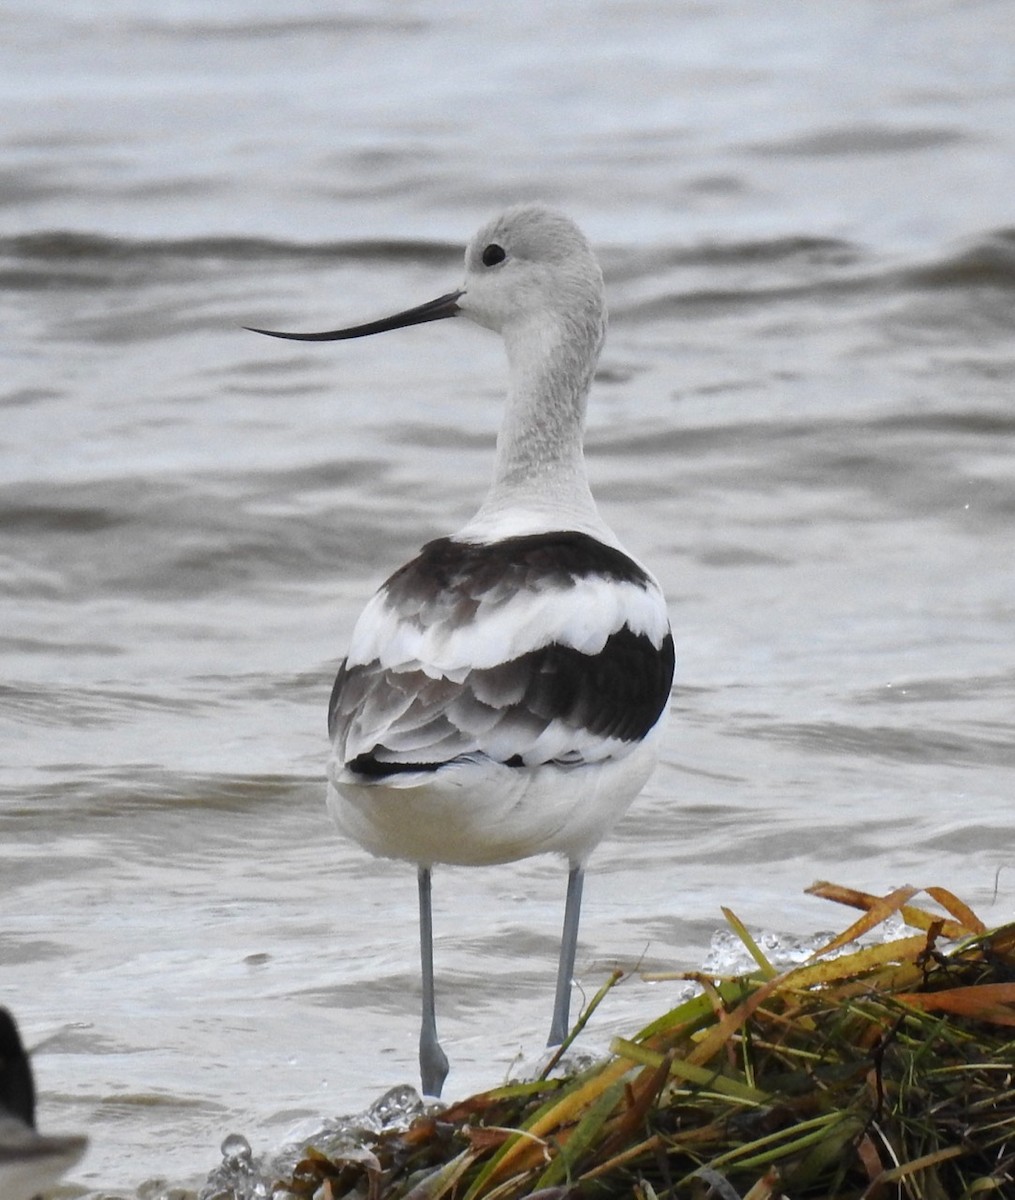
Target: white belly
{"type": "Point", "coordinates": [476, 813]}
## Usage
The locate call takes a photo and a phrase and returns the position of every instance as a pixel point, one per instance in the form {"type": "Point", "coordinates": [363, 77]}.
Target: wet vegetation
{"type": "Point", "coordinates": [882, 1067]}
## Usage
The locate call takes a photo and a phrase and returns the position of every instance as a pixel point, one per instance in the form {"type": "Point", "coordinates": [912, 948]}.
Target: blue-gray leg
{"type": "Point", "coordinates": [433, 1062]}
{"type": "Point", "coordinates": [568, 944]}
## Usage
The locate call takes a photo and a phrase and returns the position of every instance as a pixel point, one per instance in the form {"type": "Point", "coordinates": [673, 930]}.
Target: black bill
{"type": "Point", "coordinates": [433, 310]}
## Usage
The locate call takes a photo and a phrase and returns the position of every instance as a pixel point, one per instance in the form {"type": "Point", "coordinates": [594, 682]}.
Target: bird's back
{"type": "Point", "coordinates": [501, 681]}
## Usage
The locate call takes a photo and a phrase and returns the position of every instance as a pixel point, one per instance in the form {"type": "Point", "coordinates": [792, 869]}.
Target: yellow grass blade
{"type": "Point", "coordinates": [755, 951]}
{"type": "Point", "coordinates": [551, 1118]}
{"type": "Point", "coordinates": [584, 1135]}
{"type": "Point", "coordinates": [682, 1069]}
{"type": "Point", "coordinates": [860, 962]}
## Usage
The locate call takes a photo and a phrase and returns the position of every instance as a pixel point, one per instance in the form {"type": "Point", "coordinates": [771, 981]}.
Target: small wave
{"type": "Point", "coordinates": [819, 250]}
{"type": "Point", "coordinates": [974, 422]}
{"type": "Point", "coordinates": [860, 139]}
{"type": "Point", "coordinates": [62, 260]}
{"type": "Point", "coordinates": [935, 691]}
{"type": "Point", "coordinates": [70, 246]}
{"type": "Point", "coordinates": [892, 744]}
{"type": "Point", "coordinates": [791, 267]}
{"type": "Point", "coordinates": [43, 518]}
{"type": "Point", "coordinates": [298, 25]}
{"type": "Point", "coordinates": [756, 274]}
{"type": "Point", "coordinates": [988, 260]}
{"type": "Point", "coordinates": [201, 535]}
{"type": "Point", "coordinates": [624, 263]}
{"type": "Point", "coordinates": [36, 705]}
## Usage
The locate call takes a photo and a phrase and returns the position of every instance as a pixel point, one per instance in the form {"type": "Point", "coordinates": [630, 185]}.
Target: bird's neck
{"type": "Point", "coordinates": [540, 474]}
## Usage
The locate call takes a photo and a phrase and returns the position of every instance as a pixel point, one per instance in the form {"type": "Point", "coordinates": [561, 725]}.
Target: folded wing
{"type": "Point", "coordinates": [550, 647]}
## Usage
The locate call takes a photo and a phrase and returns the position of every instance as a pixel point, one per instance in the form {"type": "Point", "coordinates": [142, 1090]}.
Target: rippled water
{"type": "Point", "coordinates": [803, 422]}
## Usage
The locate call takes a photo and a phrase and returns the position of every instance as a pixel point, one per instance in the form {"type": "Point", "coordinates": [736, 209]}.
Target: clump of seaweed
{"type": "Point", "coordinates": [868, 1072]}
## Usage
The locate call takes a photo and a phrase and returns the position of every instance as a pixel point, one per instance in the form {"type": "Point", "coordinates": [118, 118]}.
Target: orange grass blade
{"type": "Point", "coordinates": [881, 908]}
{"type": "Point", "coordinates": [917, 918]}
{"type": "Point", "coordinates": [730, 1022]}
{"type": "Point", "coordinates": [993, 1002]}
{"type": "Point", "coordinates": [894, 1174]}
{"type": "Point", "coordinates": [958, 909]}
{"type": "Point", "coordinates": [625, 1156]}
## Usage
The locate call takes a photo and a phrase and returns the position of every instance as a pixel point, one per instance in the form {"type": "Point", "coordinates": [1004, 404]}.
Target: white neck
{"type": "Point", "coordinates": [540, 481]}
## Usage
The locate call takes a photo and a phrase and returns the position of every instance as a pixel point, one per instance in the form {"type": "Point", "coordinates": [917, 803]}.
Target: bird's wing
{"type": "Point", "coordinates": [525, 653]}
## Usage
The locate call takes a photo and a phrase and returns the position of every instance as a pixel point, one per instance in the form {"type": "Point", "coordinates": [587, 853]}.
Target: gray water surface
{"type": "Point", "coordinates": [803, 422]}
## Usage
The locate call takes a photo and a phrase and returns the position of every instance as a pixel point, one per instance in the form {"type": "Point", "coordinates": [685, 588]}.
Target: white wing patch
{"type": "Point", "coordinates": [553, 650]}
{"type": "Point", "coordinates": [505, 627]}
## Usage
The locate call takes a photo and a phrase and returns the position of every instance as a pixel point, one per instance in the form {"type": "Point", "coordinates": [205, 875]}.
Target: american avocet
{"type": "Point", "coordinates": [29, 1162]}
{"type": "Point", "coordinates": [505, 691]}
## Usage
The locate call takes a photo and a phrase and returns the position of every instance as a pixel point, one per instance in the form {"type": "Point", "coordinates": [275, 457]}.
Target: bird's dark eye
{"type": "Point", "coordinates": [493, 254]}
